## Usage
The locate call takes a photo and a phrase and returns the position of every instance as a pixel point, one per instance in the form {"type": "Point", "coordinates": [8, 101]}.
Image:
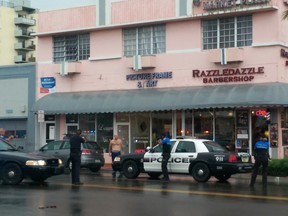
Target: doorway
{"type": "Point", "coordinates": [123, 131]}
{"type": "Point", "coordinates": [50, 132]}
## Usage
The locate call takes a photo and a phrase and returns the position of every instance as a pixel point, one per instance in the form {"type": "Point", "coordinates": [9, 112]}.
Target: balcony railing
{"type": "Point", "coordinates": [23, 33]}
{"type": "Point", "coordinates": [25, 21]}
{"type": "Point", "coordinates": [25, 46]}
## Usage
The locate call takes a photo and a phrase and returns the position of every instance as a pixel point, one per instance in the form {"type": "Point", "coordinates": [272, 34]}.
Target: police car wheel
{"type": "Point", "coordinates": [12, 174]}
{"type": "Point", "coordinates": [201, 172]}
{"type": "Point", "coordinates": [154, 175]}
{"type": "Point", "coordinates": [222, 177]}
{"type": "Point", "coordinates": [130, 169]}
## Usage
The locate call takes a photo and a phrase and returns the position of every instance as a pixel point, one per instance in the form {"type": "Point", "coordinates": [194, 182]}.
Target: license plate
{"type": "Point", "coordinates": [245, 159]}
{"type": "Point", "coordinates": [97, 161]}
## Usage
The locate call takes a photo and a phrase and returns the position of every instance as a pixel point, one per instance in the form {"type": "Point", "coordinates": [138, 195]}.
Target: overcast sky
{"type": "Point", "coordinates": [58, 4]}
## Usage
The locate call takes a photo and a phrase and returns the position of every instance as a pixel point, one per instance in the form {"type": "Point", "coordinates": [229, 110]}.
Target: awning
{"type": "Point", "coordinates": [140, 100]}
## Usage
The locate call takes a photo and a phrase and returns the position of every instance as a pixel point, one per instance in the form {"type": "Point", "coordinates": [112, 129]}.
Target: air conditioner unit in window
{"type": "Point", "coordinates": [64, 68]}
{"type": "Point", "coordinates": [137, 64]}
{"type": "Point", "coordinates": [69, 68]}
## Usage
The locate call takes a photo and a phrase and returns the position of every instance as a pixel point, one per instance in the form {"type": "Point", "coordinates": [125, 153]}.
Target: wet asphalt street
{"type": "Point", "coordinates": [101, 195]}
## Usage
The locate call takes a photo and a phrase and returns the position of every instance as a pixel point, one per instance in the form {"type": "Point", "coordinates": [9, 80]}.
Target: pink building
{"type": "Point", "coordinates": [215, 69]}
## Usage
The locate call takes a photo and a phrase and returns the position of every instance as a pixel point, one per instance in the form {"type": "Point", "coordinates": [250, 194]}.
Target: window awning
{"type": "Point", "coordinates": [141, 100]}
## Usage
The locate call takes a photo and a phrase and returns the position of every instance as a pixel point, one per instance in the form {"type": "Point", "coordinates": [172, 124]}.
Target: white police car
{"type": "Point", "coordinates": [200, 158]}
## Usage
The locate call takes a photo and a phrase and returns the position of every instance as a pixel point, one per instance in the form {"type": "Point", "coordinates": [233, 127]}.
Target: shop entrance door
{"type": "Point", "coordinates": [50, 132]}
{"type": "Point", "coordinates": [123, 132]}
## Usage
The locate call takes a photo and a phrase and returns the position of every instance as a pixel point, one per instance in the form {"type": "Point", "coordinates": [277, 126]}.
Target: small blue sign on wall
{"type": "Point", "coordinates": [48, 82]}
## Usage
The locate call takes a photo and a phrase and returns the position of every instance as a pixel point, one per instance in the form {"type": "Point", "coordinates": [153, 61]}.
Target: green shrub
{"type": "Point", "coordinates": [278, 167]}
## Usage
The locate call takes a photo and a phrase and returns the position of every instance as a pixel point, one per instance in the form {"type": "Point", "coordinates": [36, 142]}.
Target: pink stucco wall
{"type": "Point", "coordinates": [131, 11]}
{"type": "Point", "coordinates": [106, 43]}
{"type": "Point", "coordinates": [65, 19]}
{"type": "Point", "coordinates": [107, 68]}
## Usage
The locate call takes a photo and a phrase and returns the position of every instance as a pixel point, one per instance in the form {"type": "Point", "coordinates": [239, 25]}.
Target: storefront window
{"type": "Point", "coordinates": [104, 131]}
{"type": "Point", "coordinates": [188, 123]}
{"type": "Point", "coordinates": [184, 123]}
{"type": "Point", "coordinates": [87, 125]}
{"type": "Point", "coordinates": [225, 128]}
{"type": "Point", "coordinates": [179, 128]}
{"type": "Point", "coordinates": [203, 124]}
{"type": "Point", "coordinates": [140, 131]}
{"type": "Point", "coordinates": [259, 125]}
{"type": "Point", "coordinates": [161, 123]}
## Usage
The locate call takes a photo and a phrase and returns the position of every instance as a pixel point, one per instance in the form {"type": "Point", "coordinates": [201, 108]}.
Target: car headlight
{"type": "Point", "coordinates": [36, 163]}
{"type": "Point", "coordinates": [117, 159]}
{"type": "Point", "coordinates": [60, 162]}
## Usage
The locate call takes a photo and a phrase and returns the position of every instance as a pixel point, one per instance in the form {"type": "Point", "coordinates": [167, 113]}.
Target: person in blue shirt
{"type": "Point", "coordinates": [166, 150]}
{"type": "Point", "coordinates": [261, 156]}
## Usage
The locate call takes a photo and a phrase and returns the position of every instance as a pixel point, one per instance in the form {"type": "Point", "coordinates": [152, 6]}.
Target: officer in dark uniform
{"type": "Point", "coordinates": [75, 156]}
{"type": "Point", "coordinates": [166, 151]}
{"type": "Point", "coordinates": [261, 156]}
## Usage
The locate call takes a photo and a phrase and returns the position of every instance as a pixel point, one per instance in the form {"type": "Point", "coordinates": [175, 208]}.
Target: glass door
{"type": "Point", "coordinates": [123, 131]}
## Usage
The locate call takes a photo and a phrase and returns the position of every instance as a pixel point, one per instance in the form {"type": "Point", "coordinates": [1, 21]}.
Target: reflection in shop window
{"type": "Point", "coordinates": [184, 123]}
{"type": "Point", "coordinates": [140, 131]}
{"type": "Point", "coordinates": [188, 123]}
{"type": "Point", "coordinates": [225, 128]}
{"type": "Point", "coordinates": [87, 125]}
{"type": "Point", "coordinates": [161, 123]}
{"type": "Point", "coordinates": [203, 124]}
{"type": "Point", "coordinates": [17, 134]}
{"type": "Point", "coordinates": [104, 131]}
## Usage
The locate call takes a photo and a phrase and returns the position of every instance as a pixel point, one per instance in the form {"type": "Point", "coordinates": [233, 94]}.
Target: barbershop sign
{"type": "Point", "coordinates": [148, 80]}
{"type": "Point", "coordinates": [228, 75]}
{"type": "Point", "coordinates": [226, 4]}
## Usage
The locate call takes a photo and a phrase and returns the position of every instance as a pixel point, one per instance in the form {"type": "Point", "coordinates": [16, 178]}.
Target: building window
{"type": "Point", "coordinates": [227, 32]}
{"type": "Point", "coordinates": [146, 40]}
{"type": "Point", "coordinates": [203, 124]}
{"type": "Point", "coordinates": [71, 47]}
{"type": "Point", "coordinates": [225, 128]}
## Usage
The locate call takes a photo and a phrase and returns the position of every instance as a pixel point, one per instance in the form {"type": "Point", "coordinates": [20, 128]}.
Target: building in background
{"type": "Point", "coordinates": [18, 22]}
{"type": "Point", "coordinates": [140, 68]}
{"type": "Point", "coordinates": [18, 71]}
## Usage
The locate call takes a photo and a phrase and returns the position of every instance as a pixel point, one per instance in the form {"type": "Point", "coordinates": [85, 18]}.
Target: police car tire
{"type": "Point", "coordinates": [130, 169]}
{"type": "Point", "coordinates": [12, 174]}
{"type": "Point", "coordinates": [154, 175]}
{"type": "Point", "coordinates": [222, 177]}
{"type": "Point", "coordinates": [201, 172]}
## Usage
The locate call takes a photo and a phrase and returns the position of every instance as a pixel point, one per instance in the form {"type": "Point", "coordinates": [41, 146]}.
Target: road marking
{"type": "Point", "coordinates": [181, 191]}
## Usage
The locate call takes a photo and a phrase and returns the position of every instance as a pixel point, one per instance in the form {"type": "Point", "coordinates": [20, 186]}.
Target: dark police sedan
{"type": "Point", "coordinates": [16, 165]}
{"type": "Point", "coordinates": [199, 158]}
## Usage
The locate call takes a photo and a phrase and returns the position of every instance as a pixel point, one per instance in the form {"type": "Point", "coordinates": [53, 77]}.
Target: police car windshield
{"type": "Point", "coordinates": [4, 146]}
{"type": "Point", "coordinates": [158, 148]}
{"type": "Point", "coordinates": [214, 147]}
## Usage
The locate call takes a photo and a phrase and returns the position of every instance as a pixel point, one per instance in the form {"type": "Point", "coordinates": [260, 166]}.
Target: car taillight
{"type": "Point", "coordinates": [85, 152]}
{"type": "Point", "coordinates": [232, 158]}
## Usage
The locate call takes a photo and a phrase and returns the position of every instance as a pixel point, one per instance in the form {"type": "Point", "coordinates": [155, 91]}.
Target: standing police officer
{"type": "Point", "coordinates": [75, 156]}
{"type": "Point", "coordinates": [166, 150]}
{"type": "Point", "coordinates": [261, 156]}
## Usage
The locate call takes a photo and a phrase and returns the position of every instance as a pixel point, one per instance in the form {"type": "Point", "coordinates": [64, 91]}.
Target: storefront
{"type": "Point", "coordinates": [207, 70]}
{"type": "Point", "coordinates": [235, 124]}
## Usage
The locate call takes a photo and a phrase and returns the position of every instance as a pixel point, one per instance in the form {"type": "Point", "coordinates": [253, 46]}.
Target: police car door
{"type": "Point", "coordinates": [182, 155]}
{"type": "Point", "coordinates": [152, 159]}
